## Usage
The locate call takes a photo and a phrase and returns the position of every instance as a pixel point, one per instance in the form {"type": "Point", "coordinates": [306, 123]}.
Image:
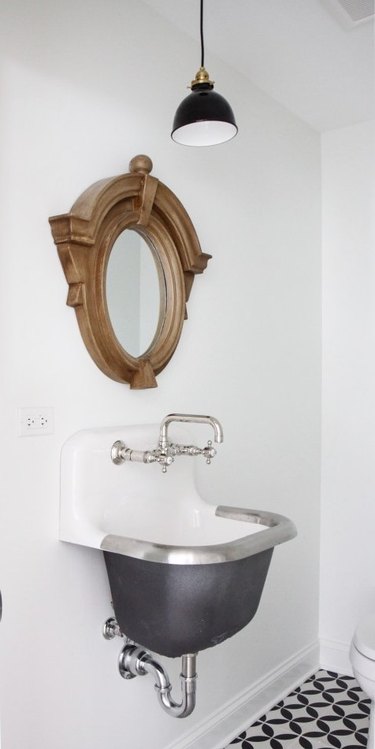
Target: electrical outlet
{"type": "Point", "coordinates": [34, 422]}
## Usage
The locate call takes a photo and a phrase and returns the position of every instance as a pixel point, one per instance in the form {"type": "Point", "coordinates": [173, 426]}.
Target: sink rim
{"type": "Point", "coordinates": [279, 529]}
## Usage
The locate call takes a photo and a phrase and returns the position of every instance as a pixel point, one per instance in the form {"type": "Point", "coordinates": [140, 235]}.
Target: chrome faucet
{"type": "Point", "coordinates": [189, 418]}
{"type": "Point", "coordinates": [166, 451]}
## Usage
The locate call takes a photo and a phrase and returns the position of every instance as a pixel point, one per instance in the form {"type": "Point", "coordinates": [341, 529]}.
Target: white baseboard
{"type": "Point", "coordinates": [334, 656]}
{"type": "Point", "coordinates": [219, 728]}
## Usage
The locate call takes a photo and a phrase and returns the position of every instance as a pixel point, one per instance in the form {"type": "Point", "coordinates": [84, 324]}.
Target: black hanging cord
{"type": "Point", "coordinates": [202, 40]}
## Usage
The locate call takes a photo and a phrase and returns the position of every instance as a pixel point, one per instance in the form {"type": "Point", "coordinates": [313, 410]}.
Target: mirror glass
{"type": "Point", "coordinates": [133, 292]}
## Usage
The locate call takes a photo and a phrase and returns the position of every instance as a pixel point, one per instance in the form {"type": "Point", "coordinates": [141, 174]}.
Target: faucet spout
{"type": "Point", "coordinates": [189, 418]}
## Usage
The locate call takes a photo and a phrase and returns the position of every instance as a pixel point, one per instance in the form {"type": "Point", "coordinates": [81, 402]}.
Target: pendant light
{"type": "Point", "coordinates": [204, 117]}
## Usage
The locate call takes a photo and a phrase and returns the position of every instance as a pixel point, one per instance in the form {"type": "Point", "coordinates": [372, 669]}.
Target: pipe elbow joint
{"type": "Point", "coordinates": [136, 661]}
{"type": "Point", "coordinates": [187, 704]}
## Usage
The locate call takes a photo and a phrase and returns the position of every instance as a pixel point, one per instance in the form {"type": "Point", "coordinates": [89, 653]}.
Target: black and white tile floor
{"type": "Point", "coordinates": [328, 711]}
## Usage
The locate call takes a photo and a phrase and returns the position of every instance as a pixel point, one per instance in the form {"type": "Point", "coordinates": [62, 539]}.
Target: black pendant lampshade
{"type": "Point", "coordinates": [204, 117]}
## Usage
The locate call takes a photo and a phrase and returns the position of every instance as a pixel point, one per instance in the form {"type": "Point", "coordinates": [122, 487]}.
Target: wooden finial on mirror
{"type": "Point", "coordinates": [140, 164]}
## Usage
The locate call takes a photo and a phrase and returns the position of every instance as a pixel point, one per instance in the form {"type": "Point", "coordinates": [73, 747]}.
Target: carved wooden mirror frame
{"type": "Point", "coordinates": [84, 239]}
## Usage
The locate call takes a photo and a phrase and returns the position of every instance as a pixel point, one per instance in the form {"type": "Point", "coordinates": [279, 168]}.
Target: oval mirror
{"type": "Point", "coordinates": [130, 255]}
{"type": "Point", "coordinates": [133, 292]}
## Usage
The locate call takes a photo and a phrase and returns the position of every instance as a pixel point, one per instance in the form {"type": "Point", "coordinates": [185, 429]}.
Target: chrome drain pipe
{"type": "Point", "coordinates": [136, 661]}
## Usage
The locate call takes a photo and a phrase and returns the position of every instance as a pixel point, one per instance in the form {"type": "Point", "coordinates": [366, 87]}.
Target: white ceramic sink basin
{"type": "Point", "coordinates": [137, 501]}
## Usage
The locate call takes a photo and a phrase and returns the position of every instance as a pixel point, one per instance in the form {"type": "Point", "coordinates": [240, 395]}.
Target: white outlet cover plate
{"type": "Point", "coordinates": [35, 421]}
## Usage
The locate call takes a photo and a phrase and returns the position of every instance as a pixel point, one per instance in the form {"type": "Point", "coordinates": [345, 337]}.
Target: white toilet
{"type": "Point", "coordinates": [362, 656]}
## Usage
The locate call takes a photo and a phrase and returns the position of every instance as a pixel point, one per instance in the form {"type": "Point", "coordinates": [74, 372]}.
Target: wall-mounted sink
{"type": "Point", "coordinates": [184, 574]}
{"type": "Point", "coordinates": [178, 599]}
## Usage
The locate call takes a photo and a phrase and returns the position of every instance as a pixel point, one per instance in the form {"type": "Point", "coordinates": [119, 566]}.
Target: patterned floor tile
{"type": "Point", "coordinates": [327, 711]}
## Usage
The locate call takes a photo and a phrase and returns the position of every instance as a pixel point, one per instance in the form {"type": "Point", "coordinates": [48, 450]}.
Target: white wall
{"type": "Point", "coordinates": [348, 423]}
{"type": "Point", "coordinates": [85, 87]}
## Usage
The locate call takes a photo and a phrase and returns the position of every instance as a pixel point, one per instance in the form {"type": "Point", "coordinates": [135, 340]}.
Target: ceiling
{"type": "Point", "coordinates": [316, 57]}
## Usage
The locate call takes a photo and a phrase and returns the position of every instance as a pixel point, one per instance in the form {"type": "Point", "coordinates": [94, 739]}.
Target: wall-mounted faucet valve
{"type": "Point", "coordinates": [208, 452]}
{"type": "Point", "coordinates": [166, 451]}
{"type": "Point", "coordinates": [120, 453]}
